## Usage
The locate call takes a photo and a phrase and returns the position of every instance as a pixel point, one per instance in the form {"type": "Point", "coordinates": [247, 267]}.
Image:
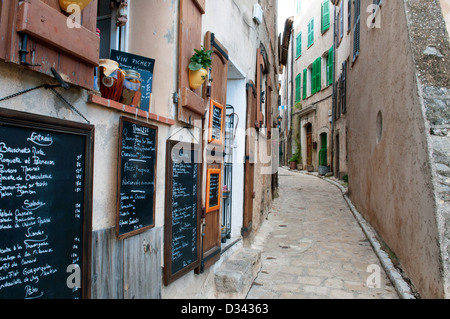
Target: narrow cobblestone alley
{"type": "Point", "coordinates": [312, 246]}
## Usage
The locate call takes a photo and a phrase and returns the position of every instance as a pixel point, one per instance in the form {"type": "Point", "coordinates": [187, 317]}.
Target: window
{"type": "Point", "coordinates": [299, 45]}
{"type": "Point", "coordinates": [325, 15]}
{"type": "Point", "coordinates": [356, 29]}
{"type": "Point", "coordinates": [330, 68]}
{"type": "Point", "coordinates": [298, 5]}
{"type": "Point", "coordinates": [112, 37]}
{"type": "Point", "coordinates": [298, 82]}
{"type": "Point", "coordinates": [311, 32]}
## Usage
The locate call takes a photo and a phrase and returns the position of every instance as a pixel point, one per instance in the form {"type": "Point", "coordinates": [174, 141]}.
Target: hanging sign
{"type": "Point", "coordinates": [216, 120]}
{"type": "Point", "coordinates": [213, 181]}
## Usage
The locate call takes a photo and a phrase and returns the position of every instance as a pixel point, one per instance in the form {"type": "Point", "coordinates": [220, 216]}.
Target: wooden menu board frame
{"type": "Point", "coordinates": [212, 139]}
{"type": "Point", "coordinates": [212, 171]}
{"type": "Point", "coordinates": [169, 276]}
{"type": "Point", "coordinates": [119, 179]}
{"type": "Point", "coordinates": [22, 120]}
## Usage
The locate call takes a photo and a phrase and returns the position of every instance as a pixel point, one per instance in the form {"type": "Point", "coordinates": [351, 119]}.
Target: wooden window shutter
{"type": "Point", "coordinates": [325, 15]}
{"type": "Point", "coordinates": [349, 12]}
{"type": "Point", "coordinates": [356, 29]}
{"type": "Point", "coordinates": [50, 42]}
{"type": "Point", "coordinates": [344, 87]}
{"type": "Point", "coordinates": [314, 77]}
{"type": "Point", "coordinates": [318, 74]}
{"type": "Point", "coordinates": [330, 66]}
{"type": "Point", "coordinates": [305, 76]}
{"type": "Point", "coordinates": [259, 74]}
{"type": "Point", "coordinates": [297, 87]}
{"type": "Point", "coordinates": [299, 45]}
{"type": "Point", "coordinates": [269, 90]}
{"type": "Point", "coordinates": [191, 105]}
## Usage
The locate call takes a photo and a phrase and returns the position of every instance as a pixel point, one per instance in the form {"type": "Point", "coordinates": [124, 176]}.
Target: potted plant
{"type": "Point", "coordinates": [200, 61]}
{"type": "Point", "coordinates": [294, 159]}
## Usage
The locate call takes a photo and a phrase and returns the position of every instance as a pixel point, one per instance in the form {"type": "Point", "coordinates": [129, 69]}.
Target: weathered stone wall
{"type": "Point", "coordinates": [391, 179]}
{"type": "Point", "coordinates": [431, 51]}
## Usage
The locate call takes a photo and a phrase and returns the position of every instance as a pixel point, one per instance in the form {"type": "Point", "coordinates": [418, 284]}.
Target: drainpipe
{"type": "Point", "coordinates": [333, 103]}
{"type": "Point", "coordinates": [292, 96]}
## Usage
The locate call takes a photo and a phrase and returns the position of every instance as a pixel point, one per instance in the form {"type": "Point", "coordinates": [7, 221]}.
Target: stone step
{"type": "Point", "coordinates": [235, 276]}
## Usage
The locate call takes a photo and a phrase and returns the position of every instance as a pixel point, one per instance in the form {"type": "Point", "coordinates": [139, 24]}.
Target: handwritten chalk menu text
{"type": "Point", "coordinates": [45, 214]}
{"type": "Point", "coordinates": [213, 190]}
{"type": "Point", "coordinates": [137, 175]}
{"type": "Point", "coordinates": [216, 119]}
{"type": "Point", "coordinates": [182, 216]}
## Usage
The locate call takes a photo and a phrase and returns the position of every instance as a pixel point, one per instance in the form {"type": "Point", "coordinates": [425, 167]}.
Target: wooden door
{"type": "Point", "coordinates": [249, 158]}
{"type": "Point", "coordinates": [218, 93]}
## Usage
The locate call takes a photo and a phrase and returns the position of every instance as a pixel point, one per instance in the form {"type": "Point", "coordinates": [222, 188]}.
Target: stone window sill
{"type": "Point", "coordinates": [95, 99]}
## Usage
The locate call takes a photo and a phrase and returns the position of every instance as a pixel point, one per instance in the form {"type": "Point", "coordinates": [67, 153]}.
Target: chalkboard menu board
{"type": "Point", "coordinates": [213, 190]}
{"type": "Point", "coordinates": [45, 207]}
{"type": "Point", "coordinates": [142, 65]}
{"type": "Point", "coordinates": [137, 175]}
{"type": "Point", "coordinates": [183, 210]}
{"type": "Point", "coordinates": [216, 120]}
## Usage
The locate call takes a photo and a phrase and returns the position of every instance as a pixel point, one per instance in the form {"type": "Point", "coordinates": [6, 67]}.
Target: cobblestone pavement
{"type": "Point", "coordinates": [312, 246]}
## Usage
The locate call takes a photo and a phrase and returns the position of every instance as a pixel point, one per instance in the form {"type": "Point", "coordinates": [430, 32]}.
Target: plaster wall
{"type": "Point", "coordinates": [153, 32]}
{"type": "Point", "coordinates": [390, 178]}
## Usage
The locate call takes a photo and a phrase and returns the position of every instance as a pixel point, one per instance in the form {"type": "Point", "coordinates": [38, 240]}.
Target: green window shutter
{"type": "Point", "coordinates": [317, 75]}
{"type": "Point", "coordinates": [313, 78]}
{"type": "Point", "coordinates": [330, 66]}
{"type": "Point", "coordinates": [299, 5]}
{"type": "Point", "coordinates": [299, 45]}
{"type": "Point", "coordinates": [325, 15]}
{"type": "Point", "coordinates": [305, 77]}
{"type": "Point", "coordinates": [311, 32]}
{"type": "Point", "coordinates": [298, 82]}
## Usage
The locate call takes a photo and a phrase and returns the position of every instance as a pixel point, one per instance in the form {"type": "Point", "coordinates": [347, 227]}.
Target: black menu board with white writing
{"type": "Point", "coordinates": [137, 175]}
{"type": "Point", "coordinates": [182, 219]}
{"type": "Point", "coordinates": [45, 213]}
{"type": "Point", "coordinates": [215, 123]}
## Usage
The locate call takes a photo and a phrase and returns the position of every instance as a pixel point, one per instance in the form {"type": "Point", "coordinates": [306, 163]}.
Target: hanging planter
{"type": "Point", "coordinates": [200, 62]}
{"type": "Point", "coordinates": [64, 4]}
